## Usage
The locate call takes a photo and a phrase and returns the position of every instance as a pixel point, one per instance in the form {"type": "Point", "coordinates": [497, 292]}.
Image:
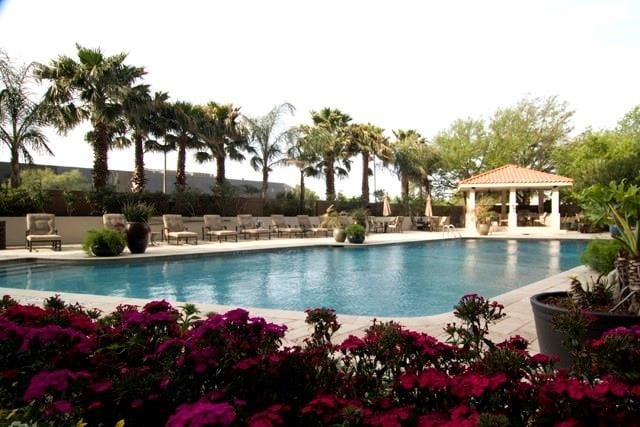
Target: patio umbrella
{"type": "Point", "coordinates": [386, 206]}
{"type": "Point", "coordinates": [428, 209]}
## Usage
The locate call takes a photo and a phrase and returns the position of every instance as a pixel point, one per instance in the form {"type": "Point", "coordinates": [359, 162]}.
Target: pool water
{"type": "Point", "coordinates": [413, 279]}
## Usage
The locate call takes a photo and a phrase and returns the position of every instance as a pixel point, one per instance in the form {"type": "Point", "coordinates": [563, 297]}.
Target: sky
{"type": "Point", "coordinates": [398, 64]}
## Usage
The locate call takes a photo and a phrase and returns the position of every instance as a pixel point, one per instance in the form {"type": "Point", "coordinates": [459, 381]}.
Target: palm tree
{"type": "Point", "coordinates": [266, 145]}
{"type": "Point", "coordinates": [222, 135]}
{"type": "Point", "coordinates": [407, 142]}
{"type": "Point", "coordinates": [93, 88]}
{"type": "Point", "coordinates": [184, 135]}
{"type": "Point", "coordinates": [20, 117]}
{"type": "Point", "coordinates": [138, 110]}
{"type": "Point", "coordinates": [369, 140]}
{"type": "Point", "coordinates": [163, 118]}
{"type": "Point", "coordinates": [330, 137]}
{"type": "Point", "coordinates": [305, 158]}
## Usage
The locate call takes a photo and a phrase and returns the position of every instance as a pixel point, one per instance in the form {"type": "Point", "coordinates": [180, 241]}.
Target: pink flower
{"type": "Point", "coordinates": [58, 407]}
{"type": "Point", "coordinates": [351, 343]}
{"type": "Point", "coordinates": [269, 417]}
{"type": "Point", "coordinates": [433, 379]}
{"type": "Point", "coordinates": [392, 418]}
{"type": "Point", "coordinates": [201, 414]}
{"type": "Point", "coordinates": [45, 381]}
{"type": "Point", "coordinates": [101, 387]}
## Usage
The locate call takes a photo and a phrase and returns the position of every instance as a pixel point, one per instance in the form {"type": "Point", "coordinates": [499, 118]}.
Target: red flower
{"type": "Point", "coordinates": [433, 379]}
{"type": "Point", "coordinates": [269, 417]}
{"type": "Point", "coordinates": [202, 414]}
{"type": "Point", "coordinates": [392, 418]}
{"type": "Point", "coordinates": [351, 343]}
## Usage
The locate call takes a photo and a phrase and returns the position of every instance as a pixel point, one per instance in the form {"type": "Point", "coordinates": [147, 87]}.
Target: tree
{"type": "Point", "coordinates": [93, 88]}
{"type": "Point", "coordinates": [406, 158]}
{"type": "Point", "coordinates": [223, 136]}
{"type": "Point", "coordinates": [184, 134]}
{"type": "Point", "coordinates": [267, 140]}
{"type": "Point", "coordinates": [144, 118]}
{"type": "Point", "coordinates": [21, 118]}
{"type": "Point", "coordinates": [369, 140]}
{"type": "Point", "coordinates": [528, 133]}
{"type": "Point", "coordinates": [329, 136]}
{"type": "Point", "coordinates": [304, 156]}
{"type": "Point", "coordinates": [462, 149]}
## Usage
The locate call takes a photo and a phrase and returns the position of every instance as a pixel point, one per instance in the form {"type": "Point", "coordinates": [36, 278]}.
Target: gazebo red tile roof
{"type": "Point", "coordinates": [515, 176]}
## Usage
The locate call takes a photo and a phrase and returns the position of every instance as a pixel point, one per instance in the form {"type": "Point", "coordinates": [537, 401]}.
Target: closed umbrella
{"type": "Point", "coordinates": [386, 206]}
{"type": "Point", "coordinates": [428, 209]}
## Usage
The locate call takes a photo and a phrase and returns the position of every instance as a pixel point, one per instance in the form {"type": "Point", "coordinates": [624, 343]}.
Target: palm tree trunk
{"type": "Point", "coordinates": [265, 183]}
{"type": "Point", "coordinates": [181, 177]}
{"type": "Point", "coordinates": [15, 166]}
{"type": "Point", "coordinates": [301, 210]}
{"type": "Point", "coordinates": [138, 180]}
{"type": "Point", "coordinates": [220, 176]}
{"type": "Point", "coordinates": [330, 179]}
{"type": "Point", "coordinates": [404, 186]}
{"type": "Point", "coordinates": [100, 156]}
{"type": "Point", "coordinates": [365, 177]}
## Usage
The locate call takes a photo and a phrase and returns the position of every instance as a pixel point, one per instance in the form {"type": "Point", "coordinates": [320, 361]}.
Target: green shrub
{"type": "Point", "coordinates": [137, 212]}
{"type": "Point", "coordinates": [355, 230]}
{"type": "Point", "coordinates": [600, 254]}
{"type": "Point", "coordinates": [104, 242]}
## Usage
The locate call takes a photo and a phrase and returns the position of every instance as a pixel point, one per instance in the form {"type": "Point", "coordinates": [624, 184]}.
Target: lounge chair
{"type": "Point", "coordinates": [305, 224]}
{"type": "Point", "coordinates": [396, 224]}
{"type": "Point", "coordinates": [41, 228]}
{"type": "Point", "coordinates": [279, 226]}
{"type": "Point", "coordinates": [247, 226]}
{"type": "Point", "coordinates": [115, 221]}
{"type": "Point", "coordinates": [438, 222]}
{"type": "Point", "coordinates": [174, 228]}
{"type": "Point", "coordinates": [212, 226]}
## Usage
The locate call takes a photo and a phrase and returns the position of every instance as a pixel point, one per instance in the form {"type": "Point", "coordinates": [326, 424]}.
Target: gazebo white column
{"type": "Point", "coordinates": [470, 214]}
{"type": "Point", "coordinates": [513, 213]}
{"type": "Point", "coordinates": [503, 206]}
{"type": "Point", "coordinates": [554, 218]}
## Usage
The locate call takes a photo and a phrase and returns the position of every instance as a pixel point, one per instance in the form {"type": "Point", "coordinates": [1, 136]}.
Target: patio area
{"type": "Point", "coordinates": [519, 320]}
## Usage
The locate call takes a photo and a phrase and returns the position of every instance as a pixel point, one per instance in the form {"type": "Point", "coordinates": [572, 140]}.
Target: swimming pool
{"type": "Point", "coordinates": [412, 279]}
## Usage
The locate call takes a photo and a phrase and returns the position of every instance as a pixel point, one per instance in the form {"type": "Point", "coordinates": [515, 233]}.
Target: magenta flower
{"type": "Point", "coordinates": [46, 381]}
{"type": "Point", "coordinates": [201, 414]}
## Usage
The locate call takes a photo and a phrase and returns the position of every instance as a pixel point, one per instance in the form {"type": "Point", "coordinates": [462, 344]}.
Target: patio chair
{"type": "Point", "coordinates": [212, 227]}
{"type": "Point", "coordinates": [396, 224]}
{"type": "Point", "coordinates": [305, 224]}
{"type": "Point", "coordinates": [375, 226]}
{"type": "Point", "coordinates": [279, 226]}
{"type": "Point", "coordinates": [115, 221]}
{"type": "Point", "coordinates": [541, 220]}
{"type": "Point", "coordinates": [247, 226]}
{"type": "Point", "coordinates": [174, 228]}
{"type": "Point", "coordinates": [41, 228]}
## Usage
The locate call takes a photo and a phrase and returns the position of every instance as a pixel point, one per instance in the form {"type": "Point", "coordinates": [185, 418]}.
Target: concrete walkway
{"type": "Point", "coordinates": [518, 321]}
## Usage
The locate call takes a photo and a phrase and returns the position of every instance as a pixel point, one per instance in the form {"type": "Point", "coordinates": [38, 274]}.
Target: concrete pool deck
{"type": "Point", "coordinates": [519, 319]}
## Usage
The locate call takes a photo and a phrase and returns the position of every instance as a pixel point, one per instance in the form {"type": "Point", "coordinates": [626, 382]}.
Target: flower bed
{"type": "Point", "coordinates": [158, 365]}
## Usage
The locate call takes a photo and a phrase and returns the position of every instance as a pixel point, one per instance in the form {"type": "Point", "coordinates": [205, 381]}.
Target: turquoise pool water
{"type": "Point", "coordinates": [411, 279]}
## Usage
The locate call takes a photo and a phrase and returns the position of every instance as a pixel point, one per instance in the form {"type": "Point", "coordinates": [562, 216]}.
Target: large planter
{"type": "Point", "coordinates": [104, 250]}
{"type": "Point", "coordinates": [355, 239]}
{"type": "Point", "coordinates": [138, 237]}
{"type": "Point", "coordinates": [339, 235]}
{"type": "Point", "coordinates": [550, 341]}
{"type": "Point", "coordinates": [483, 229]}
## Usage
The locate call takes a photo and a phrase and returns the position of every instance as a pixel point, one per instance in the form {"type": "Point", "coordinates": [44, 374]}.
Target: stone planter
{"type": "Point", "coordinates": [138, 237]}
{"type": "Point", "coordinates": [339, 235]}
{"type": "Point", "coordinates": [550, 341]}
{"type": "Point", "coordinates": [483, 229]}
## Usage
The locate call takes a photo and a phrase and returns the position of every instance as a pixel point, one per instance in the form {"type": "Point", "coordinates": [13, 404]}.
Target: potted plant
{"type": "Point", "coordinates": [606, 302]}
{"type": "Point", "coordinates": [104, 242]}
{"type": "Point", "coordinates": [138, 230]}
{"type": "Point", "coordinates": [483, 219]}
{"type": "Point", "coordinates": [330, 219]}
{"type": "Point", "coordinates": [355, 233]}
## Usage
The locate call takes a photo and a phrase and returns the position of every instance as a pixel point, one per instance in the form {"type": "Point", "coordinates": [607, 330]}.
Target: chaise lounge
{"type": "Point", "coordinates": [41, 228]}
{"type": "Point", "coordinates": [174, 228]}
{"type": "Point", "coordinates": [248, 227]}
{"type": "Point", "coordinates": [115, 221]}
{"type": "Point", "coordinates": [305, 224]}
{"type": "Point", "coordinates": [279, 226]}
{"type": "Point", "coordinates": [213, 227]}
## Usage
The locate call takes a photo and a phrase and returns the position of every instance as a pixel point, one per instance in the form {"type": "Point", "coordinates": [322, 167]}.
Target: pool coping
{"type": "Point", "coordinates": [517, 307]}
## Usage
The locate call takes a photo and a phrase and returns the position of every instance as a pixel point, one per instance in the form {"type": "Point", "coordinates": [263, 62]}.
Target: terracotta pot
{"type": "Point", "coordinates": [550, 341]}
{"type": "Point", "coordinates": [138, 237]}
{"type": "Point", "coordinates": [483, 229]}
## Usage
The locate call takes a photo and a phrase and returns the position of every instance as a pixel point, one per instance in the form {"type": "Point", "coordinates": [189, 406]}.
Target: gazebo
{"type": "Point", "coordinates": [511, 178]}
